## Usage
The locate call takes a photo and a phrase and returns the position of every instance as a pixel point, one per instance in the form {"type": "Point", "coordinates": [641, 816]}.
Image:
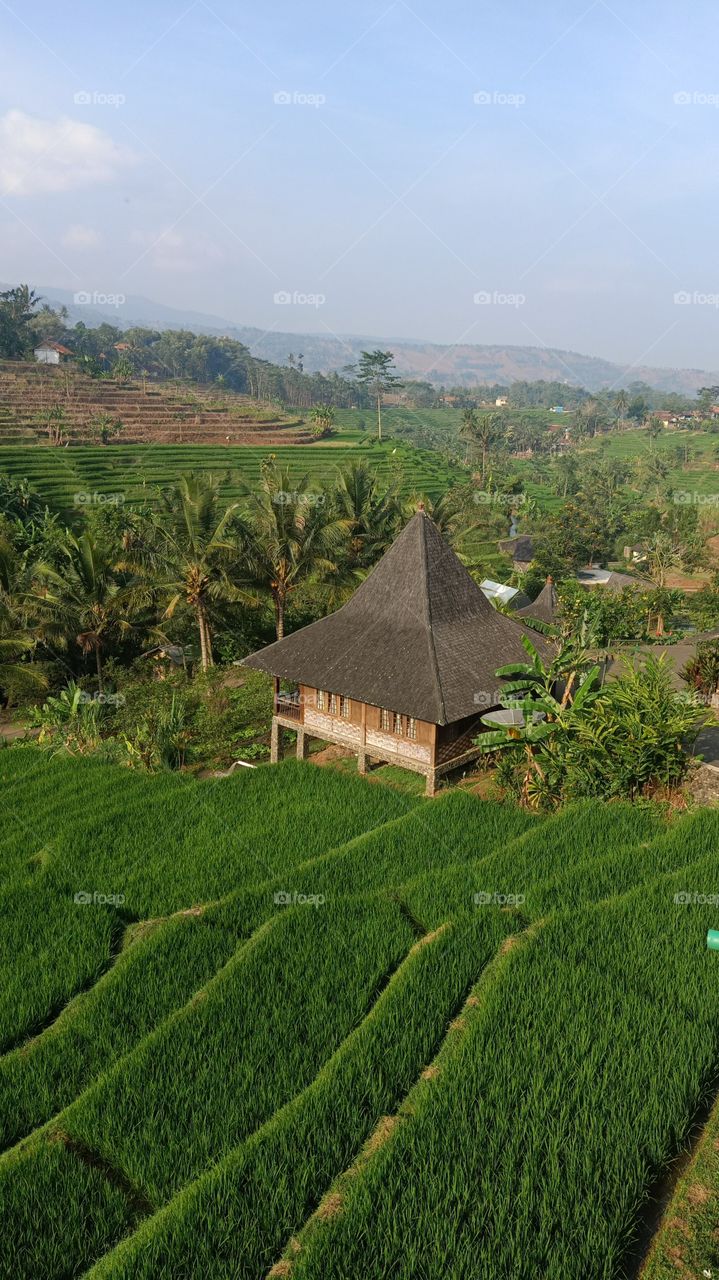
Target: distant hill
{"type": "Point", "coordinates": [463, 365]}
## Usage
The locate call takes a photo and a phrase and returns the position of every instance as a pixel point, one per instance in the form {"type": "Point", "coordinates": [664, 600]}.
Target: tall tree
{"type": "Point", "coordinates": [82, 601]}
{"type": "Point", "coordinates": [376, 372]}
{"type": "Point", "coordinates": [287, 534]}
{"type": "Point", "coordinates": [191, 551]}
{"type": "Point", "coordinates": [482, 431]}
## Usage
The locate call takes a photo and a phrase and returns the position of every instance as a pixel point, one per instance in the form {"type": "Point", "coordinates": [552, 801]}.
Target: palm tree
{"type": "Point", "coordinates": [454, 513]}
{"type": "Point", "coordinates": [189, 556]}
{"type": "Point", "coordinates": [16, 640]}
{"type": "Point", "coordinates": [482, 431]}
{"type": "Point", "coordinates": [373, 513]}
{"type": "Point", "coordinates": [82, 601]}
{"type": "Point", "coordinates": [288, 535]}
{"type": "Point", "coordinates": [654, 429]}
{"type": "Point", "coordinates": [621, 403]}
{"type": "Point", "coordinates": [565, 468]}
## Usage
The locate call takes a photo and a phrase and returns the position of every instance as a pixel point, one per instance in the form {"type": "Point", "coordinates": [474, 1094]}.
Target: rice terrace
{"type": "Point", "coordinates": [359, 642]}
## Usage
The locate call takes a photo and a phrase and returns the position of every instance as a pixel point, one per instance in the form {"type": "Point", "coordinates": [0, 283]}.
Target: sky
{"type": "Point", "coordinates": [539, 174]}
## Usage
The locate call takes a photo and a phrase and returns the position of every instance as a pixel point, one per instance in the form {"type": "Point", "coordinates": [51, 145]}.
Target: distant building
{"type": "Point", "coordinates": [51, 353]}
{"type": "Point", "coordinates": [595, 577]}
{"type": "Point", "coordinates": [403, 672]}
{"type": "Point", "coordinates": [521, 549]}
{"type": "Point", "coordinates": [544, 608]}
{"type": "Point", "coordinates": [504, 594]}
{"type": "Point", "coordinates": [501, 401]}
{"type": "Point", "coordinates": [557, 408]}
{"type": "Point", "coordinates": [636, 554]}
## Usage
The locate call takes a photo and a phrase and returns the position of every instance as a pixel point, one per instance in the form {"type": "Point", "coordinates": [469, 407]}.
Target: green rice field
{"type": "Point", "coordinates": [136, 471]}
{"type": "Point", "coordinates": [299, 1023]}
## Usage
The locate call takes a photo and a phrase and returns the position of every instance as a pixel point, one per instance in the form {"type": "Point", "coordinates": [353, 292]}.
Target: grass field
{"type": "Point", "coordinates": [300, 1023]}
{"type": "Point", "coordinates": [135, 471]}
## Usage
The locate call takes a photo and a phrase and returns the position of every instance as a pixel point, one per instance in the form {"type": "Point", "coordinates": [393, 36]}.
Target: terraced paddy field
{"type": "Point", "coordinates": [296, 1023]}
{"type": "Point", "coordinates": [136, 471]}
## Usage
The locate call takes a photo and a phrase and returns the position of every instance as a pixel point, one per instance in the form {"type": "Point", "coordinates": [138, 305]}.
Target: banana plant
{"type": "Point", "coordinates": [545, 721]}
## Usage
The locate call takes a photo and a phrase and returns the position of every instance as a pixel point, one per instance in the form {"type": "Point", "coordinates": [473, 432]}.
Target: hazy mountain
{"type": "Point", "coordinates": [464, 365]}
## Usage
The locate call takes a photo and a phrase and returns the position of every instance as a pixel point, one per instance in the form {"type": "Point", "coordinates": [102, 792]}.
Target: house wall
{"type": "Point", "coordinates": [349, 729]}
{"type": "Point", "coordinates": [47, 357]}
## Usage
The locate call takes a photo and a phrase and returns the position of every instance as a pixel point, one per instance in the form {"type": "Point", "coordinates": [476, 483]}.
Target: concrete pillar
{"type": "Point", "coordinates": [361, 761]}
{"type": "Point", "coordinates": [431, 787]}
{"type": "Point", "coordinates": [302, 744]}
{"type": "Point", "coordinates": [275, 741]}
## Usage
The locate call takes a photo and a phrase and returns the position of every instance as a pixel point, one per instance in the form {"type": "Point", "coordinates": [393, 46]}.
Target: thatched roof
{"type": "Point", "coordinates": [520, 548]}
{"type": "Point", "coordinates": [544, 608]}
{"type": "Point", "coordinates": [417, 637]}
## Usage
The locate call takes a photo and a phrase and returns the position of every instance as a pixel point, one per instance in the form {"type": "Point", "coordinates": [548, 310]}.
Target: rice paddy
{"type": "Point", "coordinates": [76, 478]}
{"type": "Point", "coordinates": [296, 1023]}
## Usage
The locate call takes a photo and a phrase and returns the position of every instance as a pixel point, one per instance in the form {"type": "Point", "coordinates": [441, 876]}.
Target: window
{"type": "Point", "coordinates": [411, 727]}
{"type": "Point", "coordinates": [345, 708]}
{"type": "Point", "coordinates": [333, 704]}
{"type": "Point", "coordinates": [398, 724]}
{"type": "Point", "coordinates": [320, 700]}
{"type": "Point", "coordinates": [384, 720]}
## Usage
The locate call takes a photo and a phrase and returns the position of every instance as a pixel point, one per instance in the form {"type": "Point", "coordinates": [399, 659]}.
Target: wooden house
{"type": "Point", "coordinates": [403, 672]}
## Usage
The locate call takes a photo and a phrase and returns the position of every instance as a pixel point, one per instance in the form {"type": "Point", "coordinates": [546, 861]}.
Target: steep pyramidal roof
{"type": "Point", "coordinates": [544, 608]}
{"type": "Point", "coordinates": [417, 637]}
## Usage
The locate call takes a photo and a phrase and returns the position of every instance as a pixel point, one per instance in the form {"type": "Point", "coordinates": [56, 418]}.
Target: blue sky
{"type": "Point", "coordinates": [142, 150]}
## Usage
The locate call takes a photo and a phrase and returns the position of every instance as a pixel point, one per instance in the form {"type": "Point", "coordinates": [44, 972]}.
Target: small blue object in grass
{"type": "Point", "coordinates": [713, 939]}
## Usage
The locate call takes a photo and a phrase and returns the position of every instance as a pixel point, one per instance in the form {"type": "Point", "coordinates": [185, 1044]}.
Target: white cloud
{"type": "Point", "coordinates": [171, 250]}
{"type": "Point", "coordinates": [39, 156]}
{"type": "Point", "coordinates": [79, 237]}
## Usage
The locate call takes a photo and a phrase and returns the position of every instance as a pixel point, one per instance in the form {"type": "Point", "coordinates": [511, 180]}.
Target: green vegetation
{"type": "Point", "coordinates": [317, 1059]}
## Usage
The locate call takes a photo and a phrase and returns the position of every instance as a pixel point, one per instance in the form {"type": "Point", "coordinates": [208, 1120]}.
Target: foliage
{"type": "Point", "coordinates": [624, 740]}
{"type": "Point", "coordinates": [701, 672]}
